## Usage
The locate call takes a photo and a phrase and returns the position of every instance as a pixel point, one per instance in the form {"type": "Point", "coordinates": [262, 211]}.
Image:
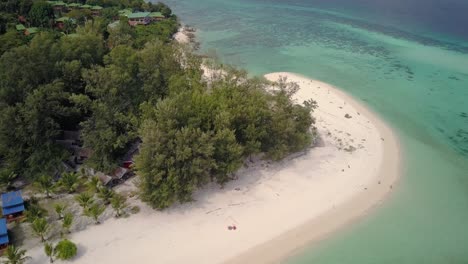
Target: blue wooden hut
{"type": "Point", "coordinates": [4, 240]}
{"type": "Point", "coordinates": [12, 206]}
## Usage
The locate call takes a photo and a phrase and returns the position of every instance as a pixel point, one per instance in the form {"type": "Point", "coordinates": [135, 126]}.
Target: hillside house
{"type": "Point", "coordinates": [139, 18]}
{"type": "Point", "coordinates": [156, 16]}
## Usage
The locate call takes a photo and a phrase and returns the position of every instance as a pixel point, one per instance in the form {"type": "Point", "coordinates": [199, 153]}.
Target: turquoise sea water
{"type": "Point", "coordinates": [407, 60]}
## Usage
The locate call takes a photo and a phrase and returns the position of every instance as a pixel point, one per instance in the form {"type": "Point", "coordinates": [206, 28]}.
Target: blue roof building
{"type": "Point", "coordinates": [12, 203]}
{"type": "Point", "coordinates": [3, 232]}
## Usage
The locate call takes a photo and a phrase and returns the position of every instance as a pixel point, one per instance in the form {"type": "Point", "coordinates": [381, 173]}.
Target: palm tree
{"type": "Point", "coordinates": [34, 211]}
{"type": "Point", "coordinates": [40, 228]}
{"type": "Point", "coordinates": [84, 200]}
{"type": "Point", "coordinates": [49, 251]}
{"type": "Point", "coordinates": [94, 184]}
{"type": "Point", "coordinates": [45, 184]}
{"type": "Point", "coordinates": [70, 181]}
{"type": "Point", "coordinates": [15, 255]}
{"type": "Point", "coordinates": [106, 194]}
{"type": "Point", "coordinates": [67, 222]}
{"type": "Point", "coordinates": [60, 209]}
{"type": "Point", "coordinates": [94, 211]}
{"type": "Point", "coordinates": [118, 202]}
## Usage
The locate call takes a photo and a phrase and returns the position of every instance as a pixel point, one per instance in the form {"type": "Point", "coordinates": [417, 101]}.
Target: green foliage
{"type": "Point", "coordinates": [45, 85]}
{"type": "Point", "coordinates": [34, 210]}
{"type": "Point", "coordinates": [80, 15]}
{"type": "Point", "coordinates": [118, 84]}
{"type": "Point", "coordinates": [87, 49]}
{"type": "Point", "coordinates": [45, 184]}
{"type": "Point", "coordinates": [11, 39]}
{"type": "Point", "coordinates": [7, 177]}
{"type": "Point", "coordinates": [49, 251]}
{"type": "Point", "coordinates": [163, 31]}
{"type": "Point", "coordinates": [93, 184]}
{"type": "Point", "coordinates": [24, 6]}
{"type": "Point", "coordinates": [70, 181]}
{"type": "Point", "coordinates": [41, 14]}
{"type": "Point", "coordinates": [67, 222]}
{"type": "Point", "coordinates": [15, 255]}
{"type": "Point", "coordinates": [85, 200]}
{"type": "Point", "coordinates": [60, 209]}
{"type": "Point", "coordinates": [197, 136]}
{"type": "Point", "coordinates": [106, 194]}
{"type": "Point", "coordinates": [95, 211]}
{"type": "Point", "coordinates": [65, 250]}
{"type": "Point", "coordinates": [40, 227]}
{"type": "Point", "coordinates": [119, 203]}
{"type": "Point", "coordinates": [121, 34]}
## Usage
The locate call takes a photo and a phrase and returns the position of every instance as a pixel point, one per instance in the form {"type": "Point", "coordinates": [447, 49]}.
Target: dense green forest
{"type": "Point", "coordinates": [119, 84]}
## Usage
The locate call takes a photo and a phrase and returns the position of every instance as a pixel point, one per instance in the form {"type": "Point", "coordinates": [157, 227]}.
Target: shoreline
{"type": "Point", "coordinates": [298, 239]}
{"type": "Point", "coordinates": [278, 207]}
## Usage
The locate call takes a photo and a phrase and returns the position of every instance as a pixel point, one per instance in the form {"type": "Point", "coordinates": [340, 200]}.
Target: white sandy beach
{"type": "Point", "coordinates": [277, 208]}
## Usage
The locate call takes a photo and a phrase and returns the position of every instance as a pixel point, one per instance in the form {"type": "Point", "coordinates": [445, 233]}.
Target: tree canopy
{"type": "Point", "coordinates": [53, 82]}
{"type": "Point", "coordinates": [119, 84]}
{"type": "Point", "coordinates": [197, 136]}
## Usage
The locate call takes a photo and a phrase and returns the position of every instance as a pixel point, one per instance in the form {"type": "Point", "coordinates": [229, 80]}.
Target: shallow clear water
{"type": "Point", "coordinates": [408, 60]}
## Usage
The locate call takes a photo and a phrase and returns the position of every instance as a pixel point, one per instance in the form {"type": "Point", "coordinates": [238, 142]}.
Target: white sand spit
{"type": "Point", "coordinates": [277, 207]}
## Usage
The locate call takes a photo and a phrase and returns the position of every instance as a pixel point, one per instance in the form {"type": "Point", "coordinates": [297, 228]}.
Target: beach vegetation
{"type": "Point", "coordinates": [93, 184]}
{"type": "Point", "coordinates": [105, 194]}
{"type": "Point", "coordinates": [120, 84]}
{"type": "Point", "coordinates": [65, 250]}
{"type": "Point", "coordinates": [49, 251]}
{"type": "Point", "coordinates": [34, 210]}
{"type": "Point", "coordinates": [15, 255]}
{"type": "Point", "coordinates": [200, 135]}
{"type": "Point", "coordinates": [45, 184]}
{"type": "Point", "coordinates": [95, 211]}
{"type": "Point", "coordinates": [118, 203]}
{"type": "Point", "coordinates": [60, 209]}
{"type": "Point", "coordinates": [70, 181]}
{"type": "Point", "coordinates": [40, 227]}
{"type": "Point", "coordinates": [67, 222]}
{"type": "Point", "coordinates": [85, 200]}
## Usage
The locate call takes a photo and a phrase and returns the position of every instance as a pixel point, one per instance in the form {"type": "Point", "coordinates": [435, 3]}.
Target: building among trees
{"type": "Point", "coordinates": [12, 206]}
{"type": "Point", "coordinates": [4, 240]}
{"type": "Point", "coordinates": [139, 18]}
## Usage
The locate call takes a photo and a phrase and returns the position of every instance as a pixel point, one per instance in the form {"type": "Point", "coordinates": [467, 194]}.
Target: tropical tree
{"type": "Point", "coordinates": [84, 200]}
{"type": "Point", "coordinates": [65, 249]}
{"type": "Point", "coordinates": [93, 184]}
{"type": "Point", "coordinates": [49, 251]}
{"type": "Point", "coordinates": [70, 181]}
{"type": "Point", "coordinates": [106, 194]}
{"type": "Point", "coordinates": [40, 228]}
{"type": "Point", "coordinates": [119, 203]}
{"type": "Point", "coordinates": [45, 184]}
{"type": "Point", "coordinates": [67, 222]}
{"type": "Point", "coordinates": [94, 211]}
{"type": "Point", "coordinates": [41, 14]}
{"type": "Point", "coordinates": [34, 210]}
{"type": "Point", "coordinates": [15, 255]}
{"type": "Point", "coordinates": [60, 209]}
